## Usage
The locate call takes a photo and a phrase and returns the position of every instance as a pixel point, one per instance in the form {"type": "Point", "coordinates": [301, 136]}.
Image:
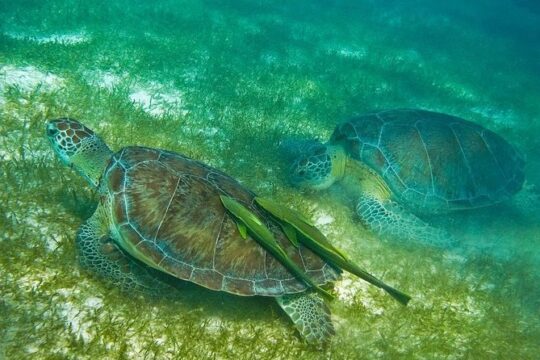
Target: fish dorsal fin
{"type": "Point", "coordinates": [242, 229]}
{"type": "Point", "coordinates": [290, 232]}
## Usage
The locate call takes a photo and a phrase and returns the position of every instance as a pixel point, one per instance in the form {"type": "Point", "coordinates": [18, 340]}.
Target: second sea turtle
{"type": "Point", "coordinates": [398, 163]}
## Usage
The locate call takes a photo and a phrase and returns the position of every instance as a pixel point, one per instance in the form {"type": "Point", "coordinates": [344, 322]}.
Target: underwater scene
{"type": "Point", "coordinates": [351, 179]}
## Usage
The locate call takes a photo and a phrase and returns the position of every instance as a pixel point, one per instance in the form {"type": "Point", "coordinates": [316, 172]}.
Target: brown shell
{"type": "Point", "coordinates": [433, 161]}
{"type": "Point", "coordinates": [168, 206]}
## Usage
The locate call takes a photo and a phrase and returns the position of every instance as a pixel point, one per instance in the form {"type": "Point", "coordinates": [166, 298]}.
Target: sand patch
{"type": "Point", "coordinates": [157, 99]}
{"type": "Point", "coordinates": [347, 52]}
{"type": "Point", "coordinates": [28, 78]}
{"type": "Point", "coordinates": [153, 97]}
{"type": "Point", "coordinates": [103, 79]}
{"type": "Point", "coordinates": [62, 39]}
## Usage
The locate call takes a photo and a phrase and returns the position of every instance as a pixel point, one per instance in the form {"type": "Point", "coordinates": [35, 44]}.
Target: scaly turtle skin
{"type": "Point", "coordinates": [162, 211]}
{"type": "Point", "coordinates": [423, 161]}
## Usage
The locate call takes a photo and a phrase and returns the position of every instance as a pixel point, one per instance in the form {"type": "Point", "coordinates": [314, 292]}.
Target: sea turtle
{"type": "Point", "coordinates": [396, 161]}
{"type": "Point", "coordinates": [165, 212]}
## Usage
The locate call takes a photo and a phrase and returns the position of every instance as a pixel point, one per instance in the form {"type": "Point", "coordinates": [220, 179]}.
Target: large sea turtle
{"type": "Point", "coordinates": [397, 162]}
{"type": "Point", "coordinates": [165, 212]}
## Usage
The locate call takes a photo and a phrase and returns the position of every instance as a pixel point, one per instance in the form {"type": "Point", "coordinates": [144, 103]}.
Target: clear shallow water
{"type": "Point", "coordinates": [225, 82]}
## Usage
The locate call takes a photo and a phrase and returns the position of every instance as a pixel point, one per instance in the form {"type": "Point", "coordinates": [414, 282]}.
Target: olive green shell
{"type": "Point", "coordinates": [433, 161]}
{"type": "Point", "coordinates": [168, 206]}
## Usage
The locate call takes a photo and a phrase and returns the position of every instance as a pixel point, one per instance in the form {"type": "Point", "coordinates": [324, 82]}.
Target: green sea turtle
{"type": "Point", "coordinates": [165, 212]}
{"type": "Point", "coordinates": [397, 162]}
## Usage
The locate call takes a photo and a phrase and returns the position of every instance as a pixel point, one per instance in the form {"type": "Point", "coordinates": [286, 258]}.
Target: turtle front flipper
{"type": "Point", "coordinates": [387, 218]}
{"type": "Point", "coordinates": [99, 253]}
{"type": "Point", "coordinates": [310, 315]}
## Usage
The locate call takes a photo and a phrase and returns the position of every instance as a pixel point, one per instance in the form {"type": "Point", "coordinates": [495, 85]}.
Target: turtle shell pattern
{"type": "Point", "coordinates": [168, 206]}
{"type": "Point", "coordinates": [433, 161]}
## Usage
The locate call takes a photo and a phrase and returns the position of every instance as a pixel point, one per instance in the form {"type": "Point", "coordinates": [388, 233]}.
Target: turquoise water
{"type": "Point", "coordinates": [226, 83]}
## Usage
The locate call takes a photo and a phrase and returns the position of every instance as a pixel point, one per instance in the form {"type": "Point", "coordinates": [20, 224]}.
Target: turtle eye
{"type": "Point", "coordinates": [51, 131]}
{"type": "Point", "coordinates": [319, 150]}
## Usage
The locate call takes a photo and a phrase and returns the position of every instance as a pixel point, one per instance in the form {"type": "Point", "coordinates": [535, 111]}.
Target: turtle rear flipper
{"type": "Point", "coordinates": [310, 315]}
{"type": "Point", "coordinates": [388, 218]}
{"type": "Point", "coordinates": [99, 254]}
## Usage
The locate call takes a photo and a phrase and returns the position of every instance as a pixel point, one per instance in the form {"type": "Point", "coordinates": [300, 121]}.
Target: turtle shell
{"type": "Point", "coordinates": [168, 206]}
{"type": "Point", "coordinates": [433, 161]}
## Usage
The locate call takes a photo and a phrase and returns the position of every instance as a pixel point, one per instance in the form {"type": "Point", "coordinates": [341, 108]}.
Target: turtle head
{"type": "Point", "coordinates": [319, 166]}
{"type": "Point", "coordinates": [79, 147]}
